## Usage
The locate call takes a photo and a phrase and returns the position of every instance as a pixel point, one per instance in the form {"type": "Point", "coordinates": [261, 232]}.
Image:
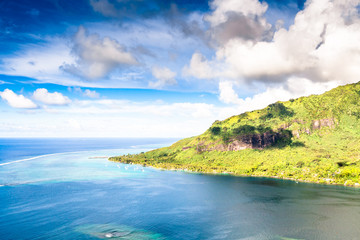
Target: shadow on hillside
{"type": "Point", "coordinates": [297, 144]}
{"type": "Point", "coordinates": [258, 137]}
{"type": "Point", "coordinates": [285, 139]}
{"type": "Point", "coordinates": [277, 110]}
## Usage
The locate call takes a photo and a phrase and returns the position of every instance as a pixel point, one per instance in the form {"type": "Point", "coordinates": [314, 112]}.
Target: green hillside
{"type": "Point", "coordinates": [314, 139]}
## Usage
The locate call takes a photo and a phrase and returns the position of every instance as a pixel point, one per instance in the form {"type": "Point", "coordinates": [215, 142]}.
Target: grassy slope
{"type": "Point", "coordinates": [326, 155]}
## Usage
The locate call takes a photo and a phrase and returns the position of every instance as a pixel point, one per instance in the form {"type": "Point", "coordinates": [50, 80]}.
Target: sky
{"type": "Point", "coordinates": [156, 68]}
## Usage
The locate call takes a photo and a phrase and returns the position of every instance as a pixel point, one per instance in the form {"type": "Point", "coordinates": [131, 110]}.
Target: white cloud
{"type": "Point", "coordinates": [164, 76]}
{"type": "Point", "coordinates": [41, 61]}
{"type": "Point", "coordinates": [222, 8]}
{"type": "Point", "coordinates": [45, 61]}
{"type": "Point", "coordinates": [87, 92]}
{"type": "Point", "coordinates": [323, 39]}
{"type": "Point", "coordinates": [91, 93]}
{"type": "Point", "coordinates": [320, 50]}
{"type": "Point", "coordinates": [123, 118]}
{"type": "Point", "coordinates": [97, 57]}
{"type": "Point", "coordinates": [3, 82]}
{"type": "Point", "coordinates": [227, 93]}
{"type": "Point", "coordinates": [55, 98]}
{"type": "Point", "coordinates": [293, 88]}
{"type": "Point", "coordinates": [15, 100]}
{"type": "Point", "coordinates": [104, 7]}
{"type": "Point", "coordinates": [149, 109]}
{"type": "Point", "coordinates": [237, 19]}
{"type": "Point", "coordinates": [114, 118]}
{"type": "Point", "coordinates": [199, 67]}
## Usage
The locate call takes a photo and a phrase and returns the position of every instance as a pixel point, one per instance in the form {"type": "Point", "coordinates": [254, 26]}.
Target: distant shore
{"type": "Point", "coordinates": [178, 168]}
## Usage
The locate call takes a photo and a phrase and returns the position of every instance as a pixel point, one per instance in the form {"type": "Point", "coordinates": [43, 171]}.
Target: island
{"type": "Point", "coordinates": [311, 139]}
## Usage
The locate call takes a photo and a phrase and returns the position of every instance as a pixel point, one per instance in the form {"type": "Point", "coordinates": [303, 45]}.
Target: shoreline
{"type": "Point", "coordinates": [356, 186]}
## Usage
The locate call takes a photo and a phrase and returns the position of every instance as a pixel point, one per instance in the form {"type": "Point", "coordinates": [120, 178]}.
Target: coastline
{"type": "Point", "coordinates": [327, 183]}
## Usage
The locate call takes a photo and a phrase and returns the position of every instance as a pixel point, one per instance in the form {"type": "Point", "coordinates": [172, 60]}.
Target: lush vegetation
{"type": "Point", "coordinates": [315, 139]}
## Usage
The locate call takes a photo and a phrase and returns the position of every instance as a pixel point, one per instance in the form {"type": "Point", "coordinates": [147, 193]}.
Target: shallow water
{"type": "Point", "coordinates": [76, 196]}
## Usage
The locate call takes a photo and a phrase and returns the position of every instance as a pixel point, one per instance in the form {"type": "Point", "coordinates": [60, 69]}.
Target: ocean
{"type": "Point", "coordinates": [67, 189]}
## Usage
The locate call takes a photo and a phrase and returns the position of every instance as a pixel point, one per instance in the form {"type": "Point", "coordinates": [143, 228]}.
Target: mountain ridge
{"type": "Point", "coordinates": [312, 139]}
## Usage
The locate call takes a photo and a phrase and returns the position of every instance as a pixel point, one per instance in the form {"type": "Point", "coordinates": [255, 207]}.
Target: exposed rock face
{"type": "Point", "coordinates": [237, 145]}
{"type": "Point", "coordinates": [296, 133]}
{"type": "Point", "coordinates": [260, 141]}
{"type": "Point", "coordinates": [257, 141]}
{"type": "Point", "coordinates": [252, 141]}
{"type": "Point", "coordinates": [327, 122]}
{"type": "Point", "coordinates": [315, 125]}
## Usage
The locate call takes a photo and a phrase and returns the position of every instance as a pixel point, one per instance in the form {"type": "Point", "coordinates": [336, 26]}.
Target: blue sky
{"type": "Point", "coordinates": [136, 68]}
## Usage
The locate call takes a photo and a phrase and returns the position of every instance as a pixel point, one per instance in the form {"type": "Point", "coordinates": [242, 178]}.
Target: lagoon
{"type": "Point", "coordinates": [65, 191]}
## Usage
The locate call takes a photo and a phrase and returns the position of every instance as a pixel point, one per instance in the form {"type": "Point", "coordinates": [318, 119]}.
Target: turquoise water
{"type": "Point", "coordinates": [81, 195]}
{"type": "Point", "coordinates": [19, 148]}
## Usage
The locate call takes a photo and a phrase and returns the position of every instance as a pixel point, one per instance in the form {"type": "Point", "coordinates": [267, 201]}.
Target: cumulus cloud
{"type": "Point", "coordinates": [237, 19]}
{"type": "Point", "coordinates": [97, 57]}
{"type": "Point", "coordinates": [227, 93]}
{"type": "Point", "coordinates": [199, 67]}
{"type": "Point", "coordinates": [222, 8]}
{"type": "Point", "coordinates": [292, 88]}
{"type": "Point", "coordinates": [323, 39]}
{"type": "Point", "coordinates": [42, 95]}
{"type": "Point", "coordinates": [15, 100]}
{"type": "Point", "coordinates": [164, 77]}
{"type": "Point", "coordinates": [320, 49]}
